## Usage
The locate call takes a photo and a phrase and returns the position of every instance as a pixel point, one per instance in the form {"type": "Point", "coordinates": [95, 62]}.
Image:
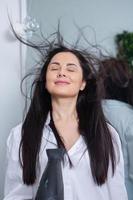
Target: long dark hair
{"type": "Point", "coordinates": [92, 124]}
{"type": "Point", "coordinates": [117, 79]}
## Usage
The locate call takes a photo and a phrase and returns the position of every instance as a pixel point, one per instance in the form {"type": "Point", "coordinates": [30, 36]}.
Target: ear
{"type": "Point", "coordinates": [83, 85]}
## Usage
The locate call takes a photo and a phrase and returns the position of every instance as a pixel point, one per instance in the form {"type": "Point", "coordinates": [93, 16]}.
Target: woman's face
{"type": "Point", "coordinates": [64, 77]}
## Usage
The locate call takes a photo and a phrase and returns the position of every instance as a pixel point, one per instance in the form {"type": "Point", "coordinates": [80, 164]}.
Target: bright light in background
{"type": "Point", "coordinates": [27, 27]}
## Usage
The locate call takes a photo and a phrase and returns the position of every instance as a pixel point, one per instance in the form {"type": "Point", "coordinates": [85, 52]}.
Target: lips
{"type": "Point", "coordinates": [61, 82]}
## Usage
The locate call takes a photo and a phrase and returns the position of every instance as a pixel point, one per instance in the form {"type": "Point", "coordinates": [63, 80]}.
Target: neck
{"type": "Point", "coordinates": [64, 108]}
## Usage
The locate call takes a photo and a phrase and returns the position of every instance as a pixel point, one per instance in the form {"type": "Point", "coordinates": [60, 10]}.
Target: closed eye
{"type": "Point", "coordinates": [54, 67]}
{"type": "Point", "coordinates": [71, 69]}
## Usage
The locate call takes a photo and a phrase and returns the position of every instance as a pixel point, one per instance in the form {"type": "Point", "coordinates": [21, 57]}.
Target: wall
{"type": "Point", "coordinates": [10, 75]}
{"type": "Point", "coordinates": [104, 18]}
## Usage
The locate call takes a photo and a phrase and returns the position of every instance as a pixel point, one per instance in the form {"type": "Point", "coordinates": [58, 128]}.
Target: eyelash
{"type": "Point", "coordinates": [54, 68]}
{"type": "Point", "coordinates": [68, 69]}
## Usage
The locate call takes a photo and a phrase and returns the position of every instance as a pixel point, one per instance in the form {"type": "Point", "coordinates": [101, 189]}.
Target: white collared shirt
{"type": "Point", "coordinates": [78, 180]}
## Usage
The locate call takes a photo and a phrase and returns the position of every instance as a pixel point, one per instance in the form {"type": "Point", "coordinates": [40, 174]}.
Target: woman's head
{"type": "Point", "coordinates": [64, 76]}
{"type": "Point", "coordinates": [66, 72]}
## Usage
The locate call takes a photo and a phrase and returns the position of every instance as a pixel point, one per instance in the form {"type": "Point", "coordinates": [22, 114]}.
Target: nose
{"type": "Point", "coordinates": [61, 73]}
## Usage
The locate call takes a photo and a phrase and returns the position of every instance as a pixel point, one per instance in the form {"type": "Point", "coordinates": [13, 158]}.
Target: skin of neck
{"type": "Point", "coordinates": [64, 109]}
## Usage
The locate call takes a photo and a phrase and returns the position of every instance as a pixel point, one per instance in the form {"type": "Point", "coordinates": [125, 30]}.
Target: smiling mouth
{"type": "Point", "coordinates": [62, 83]}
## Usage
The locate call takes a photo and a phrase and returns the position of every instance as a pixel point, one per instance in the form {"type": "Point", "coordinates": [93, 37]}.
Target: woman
{"type": "Point", "coordinates": [118, 109]}
{"type": "Point", "coordinates": [66, 95]}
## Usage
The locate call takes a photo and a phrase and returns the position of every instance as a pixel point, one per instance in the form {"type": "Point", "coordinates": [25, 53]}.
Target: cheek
{"type": "Point", "coordinates": [80, 83]}
{"type": "Point", "coordinates": [79, 79]}
{"type": "Point", "coordinates": [49, 80]}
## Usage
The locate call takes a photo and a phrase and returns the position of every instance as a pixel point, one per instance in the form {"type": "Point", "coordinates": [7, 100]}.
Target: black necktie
{"type": "Point", "coordinates": [51, 184]}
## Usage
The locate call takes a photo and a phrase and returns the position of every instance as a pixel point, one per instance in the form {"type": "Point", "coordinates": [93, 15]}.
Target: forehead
{"type": "Point", "coordinates": [65, 57]}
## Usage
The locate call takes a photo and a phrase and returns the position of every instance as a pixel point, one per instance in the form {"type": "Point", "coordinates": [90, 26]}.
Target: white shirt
{"type": "Point", "coordinates": [78, 180]}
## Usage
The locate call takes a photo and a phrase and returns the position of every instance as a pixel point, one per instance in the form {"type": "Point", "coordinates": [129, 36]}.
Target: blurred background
{"type": "Point", "coordinates": [102, 19]}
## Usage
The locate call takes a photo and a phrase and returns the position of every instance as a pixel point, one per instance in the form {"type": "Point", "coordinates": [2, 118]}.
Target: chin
{"type": "Point", "coordinates": [64, 95]}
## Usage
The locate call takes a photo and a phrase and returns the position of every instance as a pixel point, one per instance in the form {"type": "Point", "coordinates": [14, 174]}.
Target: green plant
{"type": "Point", "coordinates": [124, 42]}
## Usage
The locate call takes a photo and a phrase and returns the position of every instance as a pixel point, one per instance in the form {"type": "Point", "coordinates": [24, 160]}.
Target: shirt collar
{"type": "Point", "coordinates": [77, 150]}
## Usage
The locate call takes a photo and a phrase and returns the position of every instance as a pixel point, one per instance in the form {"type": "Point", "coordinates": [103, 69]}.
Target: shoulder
{"type": "Point", "coordinates": [114, 133]}
{"type": "Point", "coordinates": [119, 114]}
{"type": "Point", "coordinates": [15, 133]}
{"type": "Point", "coordinates": [115, 105]}
{"type": "Point", "coordinates": [14, 138]}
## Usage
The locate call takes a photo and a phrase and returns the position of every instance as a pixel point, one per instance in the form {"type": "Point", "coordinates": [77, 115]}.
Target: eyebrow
{"type": "Point", "coordinates": [55, 63]}
{"type": "Point", "coordinates": [68, 64]}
